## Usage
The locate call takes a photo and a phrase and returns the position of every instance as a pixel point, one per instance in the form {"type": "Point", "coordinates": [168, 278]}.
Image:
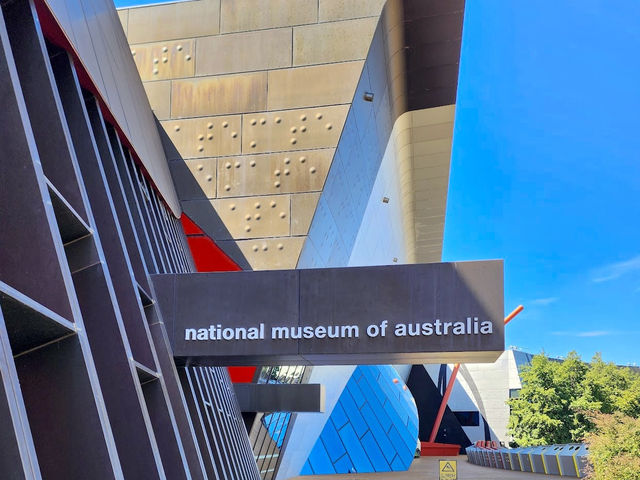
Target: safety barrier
{"type": "Point", "coordinates": [566, 460]}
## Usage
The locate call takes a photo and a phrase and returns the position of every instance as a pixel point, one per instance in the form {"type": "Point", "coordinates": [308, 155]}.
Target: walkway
{"type": "Point", "coordinates": [426, 468]}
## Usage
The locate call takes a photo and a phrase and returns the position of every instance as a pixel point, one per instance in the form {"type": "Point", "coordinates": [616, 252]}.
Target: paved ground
{"type": "Point", "coordinates": [426, 468]}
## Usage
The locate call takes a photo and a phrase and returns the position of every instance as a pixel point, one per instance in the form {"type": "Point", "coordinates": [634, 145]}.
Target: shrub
{"type": "Point", "coordinates": [614, 447]}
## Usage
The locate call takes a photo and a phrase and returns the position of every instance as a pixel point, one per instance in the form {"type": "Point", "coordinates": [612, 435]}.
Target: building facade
{"type": "Point", "coordinates": [88, 212]}
{"type": "Point", "coordinates": [333, 151]}
{"type": "Point", "coordinates": [211, 135]}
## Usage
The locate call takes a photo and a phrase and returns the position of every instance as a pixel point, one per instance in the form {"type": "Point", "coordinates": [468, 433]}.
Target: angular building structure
{"type": "Point", "coordinates": [206, 136]}
{"type": "Point", "coordinates": [88, 211]}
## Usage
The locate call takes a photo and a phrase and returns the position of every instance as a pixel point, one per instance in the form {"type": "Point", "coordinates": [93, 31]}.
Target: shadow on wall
{"type": "Point", "coordinates": [196, 204]}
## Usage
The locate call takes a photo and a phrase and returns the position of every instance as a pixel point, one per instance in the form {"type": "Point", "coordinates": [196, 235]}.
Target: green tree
{"type": "Point", "coordinates": [614, 447]}
{"type": "Point", "coordinates": [608, 388]}
{"type": "Point", "coordinates": [539, 416]}
{"type": "Point", "coordinates": [556, 398]}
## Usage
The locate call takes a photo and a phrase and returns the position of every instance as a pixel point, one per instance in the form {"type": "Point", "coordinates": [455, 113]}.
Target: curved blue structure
{"type": "Point", "coordinates": [373, 427]}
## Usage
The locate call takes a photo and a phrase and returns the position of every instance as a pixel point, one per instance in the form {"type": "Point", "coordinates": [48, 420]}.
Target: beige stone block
{"type": "Point", "coordinates": [333, 42]}
{"type": "Point", "coordinates": [330, 84]}
{"type": "Point", "coordinates": [255, 217]}
{"type": "Point", "coordinates": [288, 130]}
{"type": "Point", "coordinates": [159, 95]}
{"type": "Point", "coordinates": [331, 10]}
{"type": "Point", "coordinates": [159, 61]}
{"type": "Point", "coordinates": [244, 15]}
{"type": "Point", "coordinates": [272, 253]}
{"type": "Point", "coordinates": [303, 206]}
{"type": "Point", "coordinates": [273, 173]}
{"type": "Point", "coordinates": [219, 95]}
{"type": "Point", "coordinates": [124, 19]}
{"type": "Point", "coordinates": [205, 136]}
{"type": "Point", "coordinates": [194, 179]}
{"type": "Point", "coordinates": [174, 20]}
{"type": "Point", "coordinates": [244, 52]}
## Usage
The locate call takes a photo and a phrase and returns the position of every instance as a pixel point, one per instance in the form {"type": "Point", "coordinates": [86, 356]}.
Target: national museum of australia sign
{"type": "Point", "coordinates": [440, 312]}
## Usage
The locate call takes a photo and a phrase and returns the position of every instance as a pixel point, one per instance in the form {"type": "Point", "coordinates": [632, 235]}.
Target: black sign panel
{"type": "Point", "coordinates": [427, 313]}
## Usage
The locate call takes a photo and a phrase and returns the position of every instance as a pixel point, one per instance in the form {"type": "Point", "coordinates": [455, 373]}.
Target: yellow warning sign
{"type": "Point", "coordinates": [448, 470]}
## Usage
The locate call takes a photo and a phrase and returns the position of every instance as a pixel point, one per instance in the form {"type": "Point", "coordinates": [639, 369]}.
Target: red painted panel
{"type": "Point", "coordinates": [432, 449]}
{"type": "Point", "coordinates": [189, 226]}
{"type": "Point", "coordinates": [208, 256]}
{"type": "Point", "coordinates": [241, 374]}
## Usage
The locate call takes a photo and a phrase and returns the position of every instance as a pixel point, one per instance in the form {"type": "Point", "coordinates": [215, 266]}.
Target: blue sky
{"type": "Point", "coordinates": [546, 168]}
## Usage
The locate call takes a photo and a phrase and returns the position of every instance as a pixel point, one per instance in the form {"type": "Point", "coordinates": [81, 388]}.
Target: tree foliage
{"type": "Point", "coordinates": [614, 447]}
{"type": "Point", "coordinates": [556, 397]}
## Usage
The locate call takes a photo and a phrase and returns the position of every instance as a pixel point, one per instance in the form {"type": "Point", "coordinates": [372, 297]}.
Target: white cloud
{"type": "Point", "coordinates": [595, 333]}
{"type": "Point", "coordinates": [616, 270]}
{"type": "Point", "coordinates": [543, 302]}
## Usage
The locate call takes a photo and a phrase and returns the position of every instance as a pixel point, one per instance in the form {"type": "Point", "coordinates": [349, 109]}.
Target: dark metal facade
{"type": "Point", "coordinates": [88, 385]}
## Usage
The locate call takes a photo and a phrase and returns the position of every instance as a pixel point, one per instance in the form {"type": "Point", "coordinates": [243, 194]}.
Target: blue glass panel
{"type": "Point", "coordinates": [319, 460]}
{"type": "Point", "coordinates": [399, 444]}
{"type": "Point", "coordinates": [375, 454]}
{"type": "Point", "coordinates": [344, 465]}
{"type": "Point", "coordinates": [338, 416]}
{"type": "Point", "coordinates": [306, 470]}
{"type": "Point", "coordinates": [332, 442]}
{"type": "Point", "coordinates": [351, 409]}
{"type": "Point", "coordinates": [356, 393]}
{"type": "Point", "coordinates": [399, 465]}
{"type": "Point", "coordinates": [371, 376]}
{"type": "Point", "coordinates": [410, 437]}
{"type": "Point", "coordinates": [356, 452]}
{"type": "Point", "coordinates": [379, 434]}
{"type": "Point", "coordinates": [381, 413]}
{"type": "Point", "coordinates": [373, 427]}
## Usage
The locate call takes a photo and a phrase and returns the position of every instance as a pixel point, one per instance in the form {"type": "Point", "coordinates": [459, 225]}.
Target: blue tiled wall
{"type": "Point", "coordinates": [373, 427]}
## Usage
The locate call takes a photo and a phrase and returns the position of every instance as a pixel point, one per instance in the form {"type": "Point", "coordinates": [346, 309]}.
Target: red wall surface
{"type": "Point", "coordinates": [208, 257]}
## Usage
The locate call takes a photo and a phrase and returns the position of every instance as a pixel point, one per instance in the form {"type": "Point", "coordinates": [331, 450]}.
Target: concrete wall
{"type": "Point", "coordinates": [254, 100]}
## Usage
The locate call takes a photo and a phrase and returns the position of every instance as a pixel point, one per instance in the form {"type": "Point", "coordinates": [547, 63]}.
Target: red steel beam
{"type": "Point", "coordinates": [452, 380]}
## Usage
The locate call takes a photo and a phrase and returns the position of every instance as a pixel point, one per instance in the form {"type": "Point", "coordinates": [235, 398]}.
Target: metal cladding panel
{"type": "Point", "coordinates": [94, 31]}
{"type": "Point", "coordinates": [279, 397]}
{"type": "Point", "coordinates": [412, 313]}
{"type": "Point", "coordinates": [411, 66]}
{"type": "Point", "coordinates": [433, 30]}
